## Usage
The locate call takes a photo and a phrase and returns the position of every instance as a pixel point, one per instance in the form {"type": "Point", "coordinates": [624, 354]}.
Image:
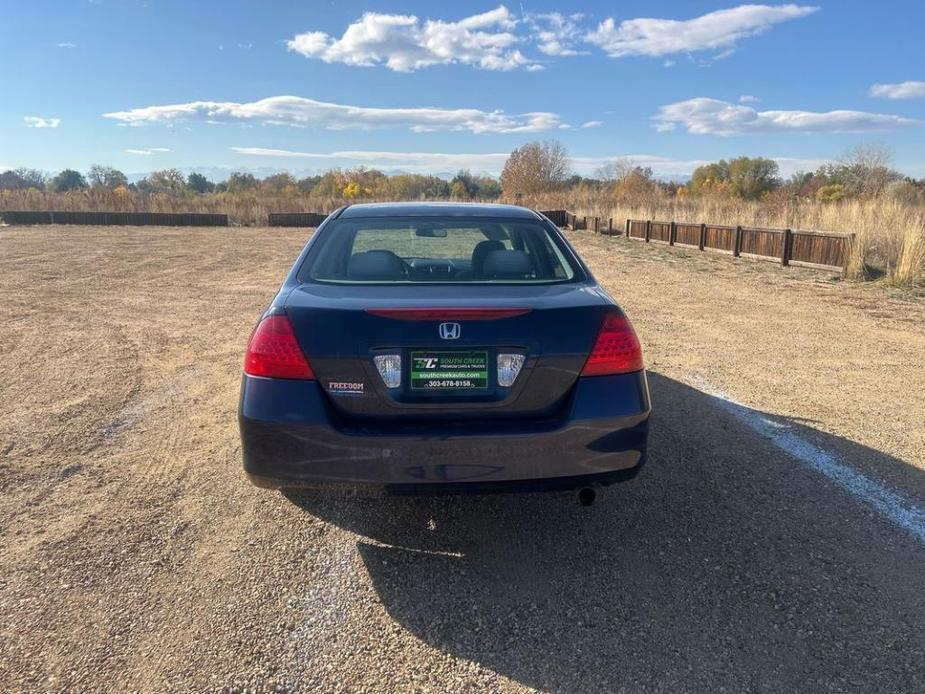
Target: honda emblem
{"type": "Point", "coordinates": [450, 331]}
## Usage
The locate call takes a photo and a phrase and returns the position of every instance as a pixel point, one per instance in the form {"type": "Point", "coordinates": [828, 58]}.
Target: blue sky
{"type": "Point", "coordinates": [435, 86]}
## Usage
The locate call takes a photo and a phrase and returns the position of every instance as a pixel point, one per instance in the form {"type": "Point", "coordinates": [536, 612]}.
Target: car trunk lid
{"type": "Point", "coordinates": [449, 340]}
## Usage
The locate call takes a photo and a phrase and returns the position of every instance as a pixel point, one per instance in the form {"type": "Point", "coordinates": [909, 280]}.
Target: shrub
{"type": "Point", "coordinates": [831, 193]}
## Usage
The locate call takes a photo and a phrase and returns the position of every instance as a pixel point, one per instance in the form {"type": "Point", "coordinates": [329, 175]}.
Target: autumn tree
{"type": "Point", "coordinates": [627, 180]}
{"type": "Point", "coordinates": [745, 177]}
{"type": "Point", "coordinates": [536, 167]}
{"type": "Point", "coordinates": [350, 183]}
{"type": "Point", "coordinates": [458, 190]}
{"type": "Point", "coordinates": [279, 183]}
{"type": "Point", "coordinates": [240, 181]}
{"type": "Point", "coordinates": [410, 187]}
{"type": "Point", "coordinates": [863, 170]}
{"type": "Point", "coordinates": [169, 181]}
{"type": "Point", "coordinates": [20, 179]}
{"type": "Point", "coordinates": [198, 183]}
{"type": "Point", "coordinates": [331, 184]}
{"type": "Point", "coordinates": [308, 183]}
{"type": "Point", "coordinates": [709, 176]}
{"type": "Point", "coordinates": [753, 177]}
{"type": "Point", "coordinates": [106, 177]}
{"type": "Point", "coordinates": [463, 185]}
{"type": "Point", "coordinates": [66, 181]}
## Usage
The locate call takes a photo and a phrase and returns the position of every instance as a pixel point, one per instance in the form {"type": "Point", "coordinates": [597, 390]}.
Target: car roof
{"type": "Point", "coordinates": [436, 209]}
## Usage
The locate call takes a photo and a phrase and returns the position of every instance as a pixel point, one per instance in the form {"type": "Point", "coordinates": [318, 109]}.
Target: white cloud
{"type": "Point", "coordinates": [67, 44]}
{"type": "Point", "coordinates": [720, 30]}
{"type": "Point", "coordinates": [791, 165]}
{"type": "Point", "coordinates": [490, 40]}
{"type": "Point", "coordinates": [661, 166]}
{"type": "Point", "coordinates": [704, 116]}
{"type": "Point", "coordinates": [148, 151]}
{"type": "Point", "coordinates": [592, 124]}
{"type": "Point", "coordinates": [679, 168]}
{"type": "Point", "coordinates": [245, 46]}
{"type": "Point", "coordinates": [298, 111]}
{"type": "Point", "coordinates": [38, 122]}
{"type": "Point", "coordinates": [424, 162]}
{"type": "Point", "coordinates": [436, 162]}
{"type": "Point", "coordinates": [555, 33]}
{"type": "Point", "coordinates": [404, 43]}
{"type": "Point", "coordinates": [903, 90]}
{"type": "Point", "coordinates": [748, 99]}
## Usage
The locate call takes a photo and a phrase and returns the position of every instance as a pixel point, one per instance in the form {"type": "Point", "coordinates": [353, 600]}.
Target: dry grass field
{"type": "Point", "coordinates": [134, 555]}
{"type": "Point", "coordinates": [890, 234]}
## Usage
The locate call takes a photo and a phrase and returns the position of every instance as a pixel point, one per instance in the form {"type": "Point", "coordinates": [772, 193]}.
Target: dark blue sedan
{"type": "Point", "coordinates": [434, 348]}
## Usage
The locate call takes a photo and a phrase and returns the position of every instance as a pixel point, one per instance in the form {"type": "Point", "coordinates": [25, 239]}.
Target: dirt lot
{"type": "Point", "coordinates": [134, 556]}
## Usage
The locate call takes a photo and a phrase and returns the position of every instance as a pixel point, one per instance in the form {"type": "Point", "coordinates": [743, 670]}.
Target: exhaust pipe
{"type": "Point", "coordinates": [586, 496]}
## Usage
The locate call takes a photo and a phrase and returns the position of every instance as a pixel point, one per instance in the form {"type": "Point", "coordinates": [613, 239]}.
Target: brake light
{"type": "Point", "coordinates": [274, 352]}
{"type": "Point", "coordinates": [449, 313]}
{"type": "Point", "coordinates": [616, 350]}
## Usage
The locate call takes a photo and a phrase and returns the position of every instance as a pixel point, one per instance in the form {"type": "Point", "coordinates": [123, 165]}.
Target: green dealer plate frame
{"type": "Point", "coordinates": [456, 371]}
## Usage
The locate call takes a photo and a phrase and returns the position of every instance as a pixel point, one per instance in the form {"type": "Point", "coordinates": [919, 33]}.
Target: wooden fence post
{"type": "Point", "coordinates": [648, 229]}
{"type": "Point", "coordinates": [672, 233]}
{"type": "Point", "coordinates": [610, 226]}
{"type": "Point", "coordinates": [737, 244]}
{"type": "Point", "coordinates": [785, 251]}
{"type": "Point", "coordinates": [703, 235]}
{"type": "Point", "coordinates": [628, 228]}
{"type": "Point", "coordinates": [847, 250]}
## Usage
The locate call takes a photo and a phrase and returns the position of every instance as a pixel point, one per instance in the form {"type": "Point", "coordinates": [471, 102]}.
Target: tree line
{"type": "Point", "coordinates": [358, 183]}
{"type": "Point", "coordinates": [864, 171]}
{"type": "Point", "coordinates": [533, 169]}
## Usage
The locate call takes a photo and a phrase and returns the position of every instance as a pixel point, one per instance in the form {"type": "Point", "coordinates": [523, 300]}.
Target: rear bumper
{"type": "Point", "coordinates": [289, 438]}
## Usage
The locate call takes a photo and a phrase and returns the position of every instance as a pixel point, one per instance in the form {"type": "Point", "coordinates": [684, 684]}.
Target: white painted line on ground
{"type": "Point", "coordinates": [137, 410]}
{"type": "Point", "coordinates": [892, 505]}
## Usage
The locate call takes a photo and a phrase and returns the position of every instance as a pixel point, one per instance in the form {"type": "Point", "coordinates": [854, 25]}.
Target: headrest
{"type": "Point", "coordinates": [507, 264]}
{"type": "Point", "coordinates": [481, 250]}
{"type": "Point", "coordinates": [375, 265]}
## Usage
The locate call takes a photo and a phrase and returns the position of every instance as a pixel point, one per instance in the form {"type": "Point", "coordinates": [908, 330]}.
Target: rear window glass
{"type": "Point", "coordinates": [437, 250]}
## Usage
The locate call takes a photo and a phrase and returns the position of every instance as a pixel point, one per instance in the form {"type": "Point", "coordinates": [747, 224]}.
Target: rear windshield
{"type": "Point", "coordinates": [408, 250]}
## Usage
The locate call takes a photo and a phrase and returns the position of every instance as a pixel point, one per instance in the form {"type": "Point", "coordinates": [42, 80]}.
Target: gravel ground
{"type": "Point", "coordinates": [134, 556]}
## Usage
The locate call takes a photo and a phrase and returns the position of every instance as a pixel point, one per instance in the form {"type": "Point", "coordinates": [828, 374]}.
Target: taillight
{"type": "Point", "coordinates": [616, 350]}
{"type": "Point", "coordinates": [274, 352]}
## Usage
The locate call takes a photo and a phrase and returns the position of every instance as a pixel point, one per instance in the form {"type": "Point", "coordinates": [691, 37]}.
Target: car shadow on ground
{"type": "Point", "coordinates": [727, 564]}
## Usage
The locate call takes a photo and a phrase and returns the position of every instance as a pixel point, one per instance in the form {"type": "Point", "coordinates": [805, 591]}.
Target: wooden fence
{"type": "Point", "coordinates": [820, 249]}
{"type": "Point", "coordinates": [296, 219]}
{"type": "Point", "coordinates": [557, 217]}
{"type": "Point", "coordinates": [568, 220]}
{"type": "Point", "coordinates": [828, 250]}
{"type": "Point", "coordinates": [169, 219]}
